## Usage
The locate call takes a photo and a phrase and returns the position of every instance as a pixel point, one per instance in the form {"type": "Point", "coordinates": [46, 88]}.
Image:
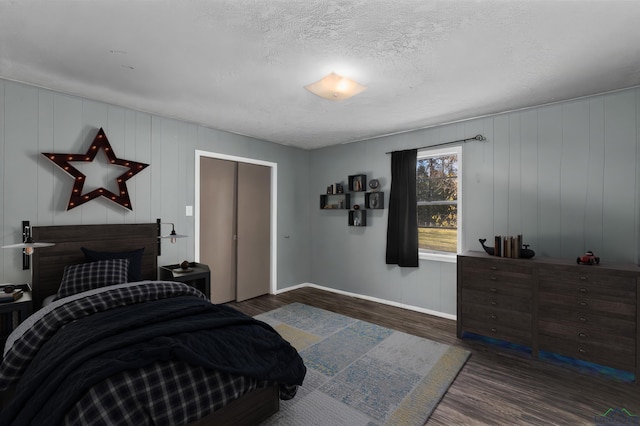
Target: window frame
{"type": "Point", "coordinates": [442, 256]}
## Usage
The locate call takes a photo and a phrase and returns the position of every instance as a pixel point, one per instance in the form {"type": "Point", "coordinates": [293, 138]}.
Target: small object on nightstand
{"type": "Point", "coordinates": [185, 267]}
{"type": "Point", "coordinates": [10, 296]}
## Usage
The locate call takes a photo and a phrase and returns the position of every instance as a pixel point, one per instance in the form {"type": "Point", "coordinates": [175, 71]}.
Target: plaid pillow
{"type": "Point", "coordinates": [87, 276]}
{"type": "Point", "coordinates": [134, 256]}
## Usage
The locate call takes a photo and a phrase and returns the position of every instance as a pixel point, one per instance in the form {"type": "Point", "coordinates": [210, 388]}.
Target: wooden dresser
{"type": "Point", "coordinates": [586, 312]}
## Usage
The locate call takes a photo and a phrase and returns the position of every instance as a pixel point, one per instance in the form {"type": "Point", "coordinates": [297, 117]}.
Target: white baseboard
{"type": "Point", "coordinates": [373, 299]}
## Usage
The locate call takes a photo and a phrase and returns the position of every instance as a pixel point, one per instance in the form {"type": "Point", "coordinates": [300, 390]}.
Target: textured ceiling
{"type": "Point", "coordinates": [240, 65]}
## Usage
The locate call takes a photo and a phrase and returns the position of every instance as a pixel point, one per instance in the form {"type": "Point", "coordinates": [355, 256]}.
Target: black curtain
{"type": "Point", "coordinates": [402, 228]}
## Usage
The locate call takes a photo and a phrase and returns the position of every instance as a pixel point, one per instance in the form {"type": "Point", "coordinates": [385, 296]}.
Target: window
{"type": "Point", "coordinates": [438, 195]}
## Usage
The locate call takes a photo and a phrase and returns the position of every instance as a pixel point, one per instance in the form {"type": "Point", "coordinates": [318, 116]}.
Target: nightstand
{"type": "Point", "coordinates": [197, 275]}
{"type": "Point", "coordinates": [13, 313]}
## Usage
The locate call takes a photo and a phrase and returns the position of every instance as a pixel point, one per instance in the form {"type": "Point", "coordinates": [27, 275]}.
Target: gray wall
{"type": "Point", "coordinates": [564, 175]}
{"type": "Point", "coordinates": [34, 120]}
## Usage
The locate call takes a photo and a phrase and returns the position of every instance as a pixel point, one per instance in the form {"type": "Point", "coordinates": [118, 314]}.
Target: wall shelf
{"type": "Point", "coordinates": [357, 218]}
{"type": "Point", "coordinates": [335, 201]}
{"type": "Point", "coordinates": [373, 200]}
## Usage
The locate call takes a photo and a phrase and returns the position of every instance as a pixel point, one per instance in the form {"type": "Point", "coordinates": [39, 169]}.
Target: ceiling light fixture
{"type": "Point", "coordinates": [335, 87]}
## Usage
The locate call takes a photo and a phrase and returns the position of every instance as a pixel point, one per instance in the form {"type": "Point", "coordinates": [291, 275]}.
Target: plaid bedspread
{"type": "Point", "coordinates": [164, 392]}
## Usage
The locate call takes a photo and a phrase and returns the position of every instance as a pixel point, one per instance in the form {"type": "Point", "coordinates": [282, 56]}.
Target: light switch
{"type": "Point", "coordinates": [189, 210]}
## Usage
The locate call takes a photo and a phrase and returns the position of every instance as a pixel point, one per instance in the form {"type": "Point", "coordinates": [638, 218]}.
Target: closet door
{"type": "Point", "coordinates": [254, 231]}
{"type": "Point", "coordinates": [218, 224]}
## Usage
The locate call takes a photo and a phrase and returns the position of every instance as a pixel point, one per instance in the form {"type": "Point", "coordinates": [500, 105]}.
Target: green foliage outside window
{"type": "Point", "coordinates": [437, 194]}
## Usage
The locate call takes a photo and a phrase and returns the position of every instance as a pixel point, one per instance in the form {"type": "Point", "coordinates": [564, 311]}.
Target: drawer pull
{"type": "Point", "coordinates": [493, 329]}
{"type": "Point", "coordinates": [584, 290]}
{"type": "Point", "coordinates": [494, 303]}
{"type": "Point", "coordinates": [583, 335]}
{"type": "Point", "coordinates": [493, 278]}
{"type": "Point", "coordinates": [583, 278]}
{"type": "Point", "coordinates": [494, 290]}
{"type": "Point", "coordinates": [583, 303]}
{"type": "Point", "coordinates": [583, 351]}
{"type": "Point", "coordinates": [583, 319]}
{"type": "Point", "coordinates": [494, 268]}
{"type": "Point", "coordinates": [493, 316]}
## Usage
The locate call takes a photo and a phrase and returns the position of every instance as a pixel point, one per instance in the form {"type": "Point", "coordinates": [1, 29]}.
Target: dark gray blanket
{"type": "Point", "coordinates": [189, 329]}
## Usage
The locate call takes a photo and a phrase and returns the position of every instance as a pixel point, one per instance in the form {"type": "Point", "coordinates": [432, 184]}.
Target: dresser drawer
{"type": "Point", "coordinates": [508, 300]}
{"type": "Point", "coordinates": [614, 323]}
{"type": "Point", "coordinates": [515, 273]}
{"type": "Point", "coordinates": [587, 335]}
{"type": "Point", "coordinates": [497, 331]}
{"type": "Point", "coordinates": [590, 304]}
{"type": "Point", "coordinates": [493, 317]}
{"type": "Point", "coordinates": [497, 264]}
{"type": "Point", "coordinates": [503, 280]}
{"type": "Point", "coordinates": [620, 290]}
{"type": "Point", "coordinates": [496, 286]}
{"type": "Point", "coordinates": [580, 277]}
{"type": "Point", "coordinates": [588, 351]}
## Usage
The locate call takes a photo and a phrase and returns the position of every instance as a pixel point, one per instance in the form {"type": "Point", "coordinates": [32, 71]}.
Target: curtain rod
{"type": "Point", "coordinates": [475, 138]}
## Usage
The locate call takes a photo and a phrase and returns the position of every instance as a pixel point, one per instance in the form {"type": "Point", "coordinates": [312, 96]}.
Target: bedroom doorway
{"type": "Point", "coordinates": [235, 221]}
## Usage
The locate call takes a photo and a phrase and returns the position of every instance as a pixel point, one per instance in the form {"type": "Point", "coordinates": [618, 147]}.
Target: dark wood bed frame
{"type": "Point", "coordinates": [48, 267]}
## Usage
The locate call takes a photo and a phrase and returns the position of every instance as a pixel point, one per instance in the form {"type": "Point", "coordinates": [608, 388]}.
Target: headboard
{"type": "Point", "coordinates": [49, 262]}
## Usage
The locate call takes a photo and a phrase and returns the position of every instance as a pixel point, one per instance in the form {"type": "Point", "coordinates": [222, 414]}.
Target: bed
{"type": "Point", "coordinates": [172, 370]}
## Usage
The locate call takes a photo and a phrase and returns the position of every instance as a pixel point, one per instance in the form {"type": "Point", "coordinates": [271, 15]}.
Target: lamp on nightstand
{"type": "Point", "coordinates": [27, 245]}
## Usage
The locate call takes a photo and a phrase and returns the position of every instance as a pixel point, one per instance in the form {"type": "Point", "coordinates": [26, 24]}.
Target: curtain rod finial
{"type": "Point", "coordinates": [480, 138]}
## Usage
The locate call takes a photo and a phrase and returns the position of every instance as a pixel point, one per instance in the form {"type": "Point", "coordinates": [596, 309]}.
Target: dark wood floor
{"type": "Point", "coordinates": [497, 386]}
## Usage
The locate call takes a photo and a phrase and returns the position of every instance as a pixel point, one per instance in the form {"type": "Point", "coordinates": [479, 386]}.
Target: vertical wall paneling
{"type": "Point", "coordinates": [129, 152]}
{"type": "Point", "coordinates": [20, 185]}
{"type": "Point", "coordinates": [67, 137]}
{"type": "Point", "coordinates": [593, 221]}
{"type": "Point", "coordinates": [477, 186]}
{"type": "Point", "coordinates": [45, 169]}
{"type": "Point", "coordinates": [619, 175]}
{"type": "Point", "coordinates": [6, 231]}
{"type": "Point", "coordinates": [98, 172]}
{"type": "Point", "coordinates": [500, 175]}
{"type": "Point", "coordinates": [514, 207]}
{"type": "Point", "coordinates": [35, 120]}
{"type": "Point", "coordinates": [156, 172]}
{"type": "Point", "coordinates": [169, 180]}
{"type": "Point", "coordinates": [116, 134]}
{"type": "Point", "coordinates": [573, 175]}
{"type": "Point", "coordinates": [183, 157]}
{"type": "Point", "coordinates": [189, 147]}
{"type": "Point", "coordinates": [529, 177]}
{"type": "Point", "coordinates": [565, 175]}
{"type": "Point", "coordinates": [549, 163]}
{"type": "Point", "coordinates": [143, 181]}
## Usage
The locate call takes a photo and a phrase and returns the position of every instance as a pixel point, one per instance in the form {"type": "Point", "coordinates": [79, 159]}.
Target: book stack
{"type": "Point", "coordinates": [11, 297]}
{"type": "Point", "coordinates": [508, 246]}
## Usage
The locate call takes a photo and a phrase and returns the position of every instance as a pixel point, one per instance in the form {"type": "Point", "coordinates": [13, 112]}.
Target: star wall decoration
{"type": "Point", "coordinates": [100, 142]}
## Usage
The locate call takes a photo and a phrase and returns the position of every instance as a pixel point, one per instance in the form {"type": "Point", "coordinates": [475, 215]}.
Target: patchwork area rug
{"type": "Point", "coordinates": [359, 373]}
